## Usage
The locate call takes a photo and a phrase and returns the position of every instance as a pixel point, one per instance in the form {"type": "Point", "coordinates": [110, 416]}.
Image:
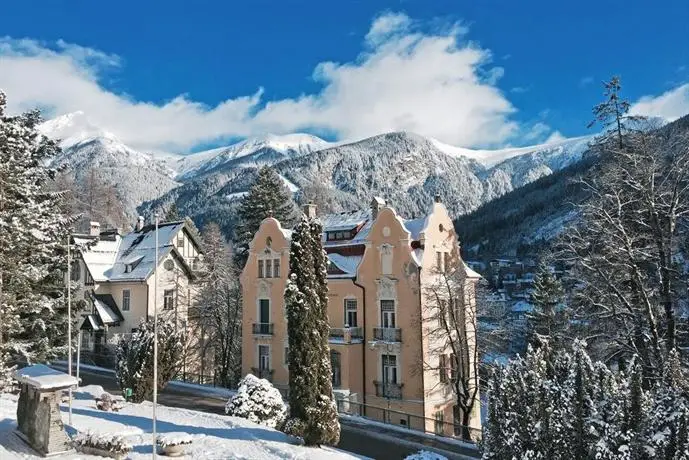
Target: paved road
{"type": "Point", "coordinates": [359, 439]}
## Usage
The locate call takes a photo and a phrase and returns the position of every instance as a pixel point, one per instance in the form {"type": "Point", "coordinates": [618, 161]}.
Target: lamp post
{"type": "Point", "coordinates": [69, 320]}
{"type": "Point", "coordinates": [155, 337]}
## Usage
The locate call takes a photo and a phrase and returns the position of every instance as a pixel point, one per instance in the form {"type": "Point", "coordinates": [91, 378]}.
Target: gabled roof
{"type": "Point", "coordinates": [347, 265]}
{"type": "Point", "coordinates": [132, 257]}
{"type": "Point", "coordinates": [106, 308]}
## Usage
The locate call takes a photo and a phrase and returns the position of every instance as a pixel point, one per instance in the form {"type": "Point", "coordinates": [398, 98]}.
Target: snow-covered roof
{"type": "Point", "coordinates": [417, 254]}
{"type": "Point", "coordinates": [347, 264]}
{"type": "Point", "coordinates": [470, 272]}
{"type": "Point", "coordinates": [416, 226]}
{"type": "Point", "coordinates": [92, 323]}
{"type": "Point", "coordinates": [107, 309]}
{"type": "Point", "coordinates": [132, 256]}
{"type": "Point", "coordinates": [522, 307]}
{"type": "Point", "coordinates": [344, 220]}
{"type": "Point", "coordinates": [44, 378]}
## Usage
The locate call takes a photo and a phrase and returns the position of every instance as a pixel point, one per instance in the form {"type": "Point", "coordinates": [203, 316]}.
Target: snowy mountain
{"type": "Point", "coordinates": [259, 151]}
{"type": "Point", "coordinates": [405, 168]}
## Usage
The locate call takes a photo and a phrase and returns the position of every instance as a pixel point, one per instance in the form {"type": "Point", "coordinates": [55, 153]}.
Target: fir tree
{"type": "Point", "coordinates": [547, 314]}
{"type": "Point", "coordinates": [313, 415]}
{"type": "Point", "coordinates": [612, 113]}
{"type": "Point", "coordinates": [268, 196]}
{"type": "Point", "coordinates": [33, 314]}
{"type": "Point", "coordinates": [172, 214]}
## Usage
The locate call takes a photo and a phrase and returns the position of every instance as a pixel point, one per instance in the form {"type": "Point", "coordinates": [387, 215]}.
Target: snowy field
{"type": "Point", "coordinates": [214, 436]}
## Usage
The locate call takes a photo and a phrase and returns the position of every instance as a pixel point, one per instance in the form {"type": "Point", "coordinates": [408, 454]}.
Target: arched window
{"type": "Point", "coordinates": [335, 364]}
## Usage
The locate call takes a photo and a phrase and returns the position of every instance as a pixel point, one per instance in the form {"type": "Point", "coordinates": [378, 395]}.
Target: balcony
{"type": "Point", "coordinates": [263, 373]}
{"type": "Point", "coordinates": [388, 390]}
{"type": "Point", "coordinates": [263, 328]}
{"type": "Point", "coordinates": [346, 334]}
{"type": "Point", "coordinates": [387, 334]}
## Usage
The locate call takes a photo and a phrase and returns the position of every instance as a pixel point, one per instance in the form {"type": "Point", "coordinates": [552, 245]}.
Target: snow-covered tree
{"type": "Point", "coordinates": [172, 214]}
{"type": "Point", "coordinates": [219, 303]}
{"type": "Point", "coordinates": [268, 196]}
{"type": "Point", "coordinates": [547, 319]}
{"type": "Point", "coordinates": [259, 401]}
{"type": "Point", "coordinates": [612, 113]}
{"type": "Point", "coordinates": [313, 414]}
{"type": "Point", "coordinates": [33, 310]}
{"type": "Point", "coordinates": [7, 382]}
{"type": "Point", "coordinates": [134, 355]}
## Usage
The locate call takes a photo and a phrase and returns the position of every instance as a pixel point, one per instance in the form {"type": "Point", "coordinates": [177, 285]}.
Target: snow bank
{"type": "Point", "coordinates": [425, 455]}
{"type": "Point", "coordinates": [215, 437]}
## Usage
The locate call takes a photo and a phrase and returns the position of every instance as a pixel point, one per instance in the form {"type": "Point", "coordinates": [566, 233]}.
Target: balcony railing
{"type": "Point", "coordinates": [387, 334]}
{"type": "Point", "coordinates": [346, 334]}
{"type": "Point", "coordinates": [389, 390]}
{"type": "Point", "coordinates": [263, 328]}
{"type": "Point", "coordinates": [263, 373]}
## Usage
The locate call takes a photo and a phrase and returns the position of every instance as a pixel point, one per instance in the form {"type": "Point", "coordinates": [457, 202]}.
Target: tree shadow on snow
{"type": "Point", "coordinates": [230, 433]}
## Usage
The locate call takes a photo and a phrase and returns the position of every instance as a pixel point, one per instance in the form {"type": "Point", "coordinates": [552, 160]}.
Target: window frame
{"type": "Point", "coordinates": [169, 294]}
{"type": "Point", "coordinates": [348, 309]}
{"type": "Point", "coordinates": [126, 299]}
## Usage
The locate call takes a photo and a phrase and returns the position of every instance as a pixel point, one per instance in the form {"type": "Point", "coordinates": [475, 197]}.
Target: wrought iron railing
{"type": "Point", "coordinates": [263, 328]}
{"type": "Point", "coordinates": [263, 373]}
{"type": "Point", "coordinates": [387, 334]}
{"type": "Point", "coordinates": [389, 389]}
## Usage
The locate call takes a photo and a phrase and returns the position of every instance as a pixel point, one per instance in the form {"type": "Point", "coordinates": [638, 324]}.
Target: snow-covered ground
{"type": "Point", "coordinates": [214, 436]}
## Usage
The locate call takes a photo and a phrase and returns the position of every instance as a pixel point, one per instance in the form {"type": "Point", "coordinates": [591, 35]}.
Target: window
{"type": "Point", "coordinates": [276, 268]}
{"type": "Point", "coordinates": [261, 273]}
{"type": "Point", "coordinates": [269, 268]}
{"type": "Point", "coordinates": [442, 368]}
{"type": "Point", "coordinates": [386, 259]}
{"type": "Point", "coordinates": [264, 311]}
{"type": "Point", "coordinates": [453, 367]}
{"type": "Point", "coordinates": [439, 261]}
{"type": "Point", "coordinates": [263, 357]}
{"type": "Point", "coordinates": [75, 271]}
{"type": "Point", "coordinates": [286, 355]}
{"type": "Point", "coordinates": [169, 299]}
{"type": "Point", "coordinates": [439, 422]}
{"type": "Point", "coordinates": [389, 369]}
{"type": "Point", "coordinates": [350, 313]}
{"type": "Point", "coordinates": [180, 240]}
{"type": "Point", "coordinates": [387, 311]}
{"type": "Point", "coordinates": [447, 262]}
{"type": "Point", "coordinates": [335, 364]}
{"type": "Point", "coordinates": [126, 299]}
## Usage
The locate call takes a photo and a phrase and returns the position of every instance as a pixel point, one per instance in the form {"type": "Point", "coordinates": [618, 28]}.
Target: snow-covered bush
{"type": "Point", "coordinates": [174, 439]}
{"type": "Point", "coordinates": [7, 383]}
{"type": "Point", "coordinates": [108, 403]}
{"type": "Point", "coordinates": [258, 401]}
{"type": "Point", "coordinates": [135, 357]}
{"type": "Point", "coordinates": [112, 443]}
{"type": "Point", "coordinates": [425, 455]}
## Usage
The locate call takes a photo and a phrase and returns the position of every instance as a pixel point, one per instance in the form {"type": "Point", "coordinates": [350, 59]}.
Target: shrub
{"type": "Point", "coordinates": [173, 439]}
{"type": "Point", "coordinates": [259, 401]}
{"type": "Point", "coordinates": [108, 442]}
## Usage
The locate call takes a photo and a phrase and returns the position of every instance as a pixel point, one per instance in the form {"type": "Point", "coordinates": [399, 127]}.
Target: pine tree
{"type": "Point", "coordinates": [547, 314]}
{"type": "Point", "coordinates": [313, 415]}
{"type": "Point", "coordinates": [268, 196]}
{"type": "Point", "coordinates": [612, 113]}
{"type": "Point", "coordinates": [33, 315]}
{"type": "Point", "coordinates": [172, 214]}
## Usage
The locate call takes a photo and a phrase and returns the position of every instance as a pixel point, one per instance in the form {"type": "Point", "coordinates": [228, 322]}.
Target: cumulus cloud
{"type": "Point", "coordinates": [434, 83]}
{"type": "Point", "coordinates": [670, 105]}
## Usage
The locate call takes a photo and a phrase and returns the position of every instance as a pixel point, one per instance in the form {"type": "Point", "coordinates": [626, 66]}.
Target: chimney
{"type": "Point", "coordinates": [95, 229]}
{"type": "Point", "coordinates": [139, 223]}
{"type": "Point", "coordinates": [310, 210]}
{"type": "Point", "coordinates": [437, 198]}
{"type": "Point", "coordinates": [376, 205]}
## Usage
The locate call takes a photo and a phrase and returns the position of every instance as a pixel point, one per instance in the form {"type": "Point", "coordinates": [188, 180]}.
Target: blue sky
{"type": "Point", "coordinates": [180, 75]}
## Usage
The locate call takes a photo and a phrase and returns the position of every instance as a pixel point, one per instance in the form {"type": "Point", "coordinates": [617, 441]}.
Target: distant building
{"type": "Point", "coordinates": [379, 265]}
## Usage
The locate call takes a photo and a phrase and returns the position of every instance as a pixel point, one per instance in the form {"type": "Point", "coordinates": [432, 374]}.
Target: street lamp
{"type": "Point", "coordinates": [155, 336]}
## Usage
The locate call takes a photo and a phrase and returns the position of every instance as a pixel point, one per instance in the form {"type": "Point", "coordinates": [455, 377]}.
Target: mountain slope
{"type": "Point", "coordinates": [405, 168]}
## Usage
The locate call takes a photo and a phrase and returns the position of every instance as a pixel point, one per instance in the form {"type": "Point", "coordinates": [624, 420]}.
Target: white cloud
{"type": "Point", "coordinates": [670, 105]}
{"type": "Point", "coordinates": [537, 132]}
{"type": "Point", "coordinates": [435, 84]}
